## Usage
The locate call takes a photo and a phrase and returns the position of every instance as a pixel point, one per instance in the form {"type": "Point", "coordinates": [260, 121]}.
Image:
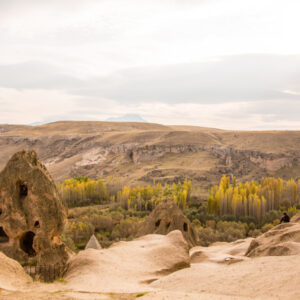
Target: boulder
{"type": "Point", "coordinates": [32, 213]}
{"type": "Point", "coordinates": [167, 217]}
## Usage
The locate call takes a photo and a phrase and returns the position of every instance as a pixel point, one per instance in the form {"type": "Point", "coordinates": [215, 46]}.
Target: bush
{"type": "Point", "coordinates": [254, 233]}
{"type": "Point", "coordinates": [266, 228]}
{"type": "Point", "coordinates": [224, 232]}
{"type": "Point", "coordinates": [208, 236]}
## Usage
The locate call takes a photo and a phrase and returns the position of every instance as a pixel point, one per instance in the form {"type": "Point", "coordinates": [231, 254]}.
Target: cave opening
{"type": "Point", "coordinates": [37, 224]}
{"type": "Point", "coordinates": [3, 236]}
{"type": "Point", "coordinates": [22, 189]}
{"type": "Point", "coordinates": [157, 223]}
{"type": "Point", "coordinates": [26, 243]}
{"type": "Point", "coordinates": [168, 225]}
{"type": "Point", "coordinates": [131, 155]}
{"type": "Point", "coordinates": [185, 227]}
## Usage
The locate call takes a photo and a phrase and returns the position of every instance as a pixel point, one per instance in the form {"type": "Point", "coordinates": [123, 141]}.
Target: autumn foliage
{"type": "Point", "coordinates": [253, 198]}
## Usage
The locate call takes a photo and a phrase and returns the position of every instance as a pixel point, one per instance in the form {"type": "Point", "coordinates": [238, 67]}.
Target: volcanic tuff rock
{"type": "Point", "coordinates": [282, 240]}
{"type": "Point", "coordinates": [167, 217]}
{"type": "Point", "coordinates": [32, 213]}
{"type": "Point", "coordinates": [128, 267]}
{"type": "Point", "coordinates": [12, 275]}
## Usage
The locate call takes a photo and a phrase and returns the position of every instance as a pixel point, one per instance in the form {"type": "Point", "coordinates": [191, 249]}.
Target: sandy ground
{"type": "Point", "coordinates": [126, 270]}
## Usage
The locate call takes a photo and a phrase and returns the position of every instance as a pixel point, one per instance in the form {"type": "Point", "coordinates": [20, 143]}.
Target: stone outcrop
{"type": "Point", "coordinates": [282, 240]}
{"type": "Point", "coordinates": [128, 267]}
{"type": "Point", "coordinates": [12, 275]}
{"type": "Point", "coordinates": [32, 213]}
{"type": "Point", "coordinates": [167, 217]}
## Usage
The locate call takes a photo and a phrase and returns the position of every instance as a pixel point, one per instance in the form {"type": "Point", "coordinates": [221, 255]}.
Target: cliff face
{"type": "Point", "coordinates": [141, 153]}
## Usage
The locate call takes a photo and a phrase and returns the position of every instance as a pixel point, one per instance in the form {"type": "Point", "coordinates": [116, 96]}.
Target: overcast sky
{"type": "Point", "coordinates": [218, 63]}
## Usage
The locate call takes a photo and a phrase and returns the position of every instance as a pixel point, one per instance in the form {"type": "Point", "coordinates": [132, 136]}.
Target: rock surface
{"type": "Point", "coordinates": [128, 266]}
{"type": "Point", "coordinates": [221, 252]}
{"type": "Point", "coordinates": [167, 217]}
{"type": "Point", "coordinates": [32, 213]}
{"type": "Point", "coordinates": [12, 275]}
{"type": "Point", "coordinates": [282, 240]}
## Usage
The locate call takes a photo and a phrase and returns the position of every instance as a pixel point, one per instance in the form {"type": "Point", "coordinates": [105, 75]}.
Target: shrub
{"type": "Point", "coordinates": [266, 228]}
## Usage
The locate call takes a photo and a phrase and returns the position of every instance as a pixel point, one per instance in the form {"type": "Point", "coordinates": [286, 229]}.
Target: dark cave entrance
{"type": "Point", "coordinates": [3, 236]}
{"type": "Point", "coordinates": [22, 189]}
{"type": "Point", "coordinates": [26, 243]}
{"type": "Point", "coordinates": [157, 223]}
{"type": "Point", "coordinates": [185, 227]}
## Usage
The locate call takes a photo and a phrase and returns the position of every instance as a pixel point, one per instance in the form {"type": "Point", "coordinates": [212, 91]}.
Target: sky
{"type": "Point", "coordinates": [228, 64]}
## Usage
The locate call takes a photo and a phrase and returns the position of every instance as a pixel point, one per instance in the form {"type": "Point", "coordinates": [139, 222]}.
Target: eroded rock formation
{"type": "Point", "coordinates": [167, 217]}
{"type": "Point", "coordinates": [282, 240]}
{"type": "Point", "coordinates": [32, 213]}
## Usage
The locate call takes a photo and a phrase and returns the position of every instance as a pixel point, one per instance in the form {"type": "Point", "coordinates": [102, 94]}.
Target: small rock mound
{"type": "Point", "coordinates": [32, 214]}
{"type": "Point", "coordinates": [167, 217]}
{"type": "Point", "coordinates": [93, 243]}
{"type": "Point", "coordinates": [282, 240]}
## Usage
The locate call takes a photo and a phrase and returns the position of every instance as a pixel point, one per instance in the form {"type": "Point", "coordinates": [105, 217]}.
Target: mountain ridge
{"type": "Point", "coordinates": [141, 153]}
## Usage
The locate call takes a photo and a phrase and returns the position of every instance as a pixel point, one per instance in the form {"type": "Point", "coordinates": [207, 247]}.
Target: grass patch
{"type": "Point", "coordinates": [60, 280]}
{"type": "Point", "coordinates": [140, 295]}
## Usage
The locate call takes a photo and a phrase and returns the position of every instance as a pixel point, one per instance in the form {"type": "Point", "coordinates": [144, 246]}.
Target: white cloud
{"type": "Point", "coordinates": [96, 37]}
{"type": "Point", "coordinates": [29, 106]}
{"type": "Point", "coordinates": [103, 58]}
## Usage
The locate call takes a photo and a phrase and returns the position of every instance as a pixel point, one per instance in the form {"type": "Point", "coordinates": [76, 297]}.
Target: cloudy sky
{"type": "Point", "coordinates": [218, 63]}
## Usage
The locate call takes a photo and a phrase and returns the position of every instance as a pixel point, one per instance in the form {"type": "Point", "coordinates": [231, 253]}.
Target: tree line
{"type": "Point", "coordinates": [252, 198]}
{"type": "Point", "coordinates": [82, 191]}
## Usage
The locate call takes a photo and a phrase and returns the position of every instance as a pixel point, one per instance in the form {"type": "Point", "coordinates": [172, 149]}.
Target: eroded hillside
{"type": "Point", "coordinates": [143, 152]}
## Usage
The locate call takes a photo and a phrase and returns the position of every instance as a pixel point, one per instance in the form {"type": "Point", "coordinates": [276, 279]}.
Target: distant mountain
{"type": "Point", "coordinates": [127, 118]}
{"type": "Point", "coordinates": [38, 123]}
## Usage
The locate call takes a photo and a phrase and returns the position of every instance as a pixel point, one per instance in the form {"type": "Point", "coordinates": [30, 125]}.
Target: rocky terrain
{"type": "Point", "coordinates": [142, 152]}
{"type": "Point", "coordinates": [162, 267]}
